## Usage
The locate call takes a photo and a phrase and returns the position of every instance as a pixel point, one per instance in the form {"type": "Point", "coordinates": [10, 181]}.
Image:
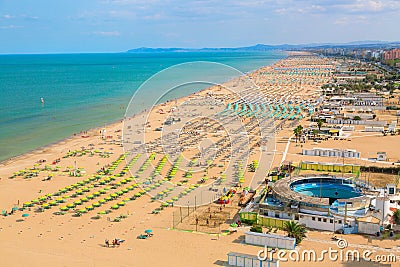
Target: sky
{"type": "Point", "coordinates": [58, 26]}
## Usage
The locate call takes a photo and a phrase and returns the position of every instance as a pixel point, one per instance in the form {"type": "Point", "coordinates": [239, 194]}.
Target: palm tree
{"type": "Point", "coordinates": [315, 132]}
{"type": "Point", "coordinates": [295, 230]}
{"type": "Point", "coordinates": [297, 131]}
{"type": "Point", "coordinates": [320, 123]}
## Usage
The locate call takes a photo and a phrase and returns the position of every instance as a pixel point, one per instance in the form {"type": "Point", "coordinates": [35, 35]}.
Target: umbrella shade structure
{"type": "Point", "coordinates": [147, 231]}
{"type": "Point", "coordinates": [25, 215]}
{"type": "Point", "coordinates": [27, 204]}
{"type": "Point", "coordinates": [15, 208]}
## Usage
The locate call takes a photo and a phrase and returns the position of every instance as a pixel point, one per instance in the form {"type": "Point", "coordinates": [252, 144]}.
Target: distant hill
{"type": "Point", "coordinates": [264, 47]}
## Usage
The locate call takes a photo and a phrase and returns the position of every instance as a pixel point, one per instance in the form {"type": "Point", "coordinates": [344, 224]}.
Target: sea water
{"type": "Point", "coordinates": [82, 91]}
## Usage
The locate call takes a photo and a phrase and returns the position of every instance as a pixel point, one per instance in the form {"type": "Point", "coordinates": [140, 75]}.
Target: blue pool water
{"type": "Point", "coordinates": [326, 188]}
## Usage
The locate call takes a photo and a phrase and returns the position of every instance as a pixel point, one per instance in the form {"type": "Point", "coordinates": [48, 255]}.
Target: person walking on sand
{"type": "Point", "coordinates": [107, 243]}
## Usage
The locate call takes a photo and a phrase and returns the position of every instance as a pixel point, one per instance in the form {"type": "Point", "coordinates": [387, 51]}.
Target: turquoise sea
{"type": "Point", "coordinates": [83, 91]}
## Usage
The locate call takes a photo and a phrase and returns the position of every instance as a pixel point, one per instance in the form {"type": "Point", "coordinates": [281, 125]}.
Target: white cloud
{"type": "Point", "coordinates": [107, 33]}
{"type": "Point", "coordinates": [8, 16]}
{"type": "Point", "coordinates": [351, 20]}
{"type": "Point", "coordinates": [11, 26]}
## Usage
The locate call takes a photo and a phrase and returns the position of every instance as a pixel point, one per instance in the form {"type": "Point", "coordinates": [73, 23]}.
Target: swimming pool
{"type": "Point", "coordinates": [332, 188]}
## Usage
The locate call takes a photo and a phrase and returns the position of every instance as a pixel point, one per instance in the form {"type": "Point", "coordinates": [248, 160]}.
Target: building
{"type": "Point", "coordinates": [391, 54]}
{"type": "Point", "coordinates": [331, 152]}
{"type": "Point", "coordinates": [323, 202]}
{"type": "Point", "coordinates": [381, 156]}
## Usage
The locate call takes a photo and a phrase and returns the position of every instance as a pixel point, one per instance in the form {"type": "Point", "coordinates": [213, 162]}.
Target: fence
{"type": "Point", "coordinates": [180, 214]}
{"type": "Point", "coordinates": [207, 219]}
{"type": "Point", "coordinates": [271, 222]}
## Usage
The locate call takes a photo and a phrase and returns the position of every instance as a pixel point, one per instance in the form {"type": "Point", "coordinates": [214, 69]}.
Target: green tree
{"type": "Point", "coordinates": [297, 131]}
{"type": "Point", "coordinates": [319, 124]}
{"type": "Point", "coordinates": [396, 217]}
{"type": "Point", "coordinates": [295, 230]}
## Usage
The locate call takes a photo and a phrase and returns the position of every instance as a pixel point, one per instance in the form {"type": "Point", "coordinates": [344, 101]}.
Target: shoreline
{"type": "Point", "coordinates": [39, 149]}
{"type": "Point", "coordinates": [62, 238]}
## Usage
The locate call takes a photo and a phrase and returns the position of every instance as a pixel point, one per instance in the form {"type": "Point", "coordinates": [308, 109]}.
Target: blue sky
{"type": "Point", "coordinates": [51, 26]}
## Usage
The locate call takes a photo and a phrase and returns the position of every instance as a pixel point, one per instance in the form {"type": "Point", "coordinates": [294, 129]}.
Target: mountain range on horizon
{"type": "Point", "coordinates": [264, 47]}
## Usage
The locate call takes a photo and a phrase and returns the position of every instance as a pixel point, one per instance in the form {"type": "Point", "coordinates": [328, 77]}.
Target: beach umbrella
{"type": "Point", "coordinates": [27, 204]}
{"type": "Point", "coordinates": [64, 208]}
{"type": "Point", "coordinates": [101, 212]}
{"type": "Point", "coordinates": [115, 207]}
{"type": "Point", "coordinates": [121, 203]}
{"type": "Point", "coordinates": [25, 215]}
{"type": "Point", "coordinates": [148, 231]}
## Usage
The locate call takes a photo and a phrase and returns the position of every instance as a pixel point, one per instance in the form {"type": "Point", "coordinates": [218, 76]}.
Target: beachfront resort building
{"type": "Point", "coordinates": [328, 203]}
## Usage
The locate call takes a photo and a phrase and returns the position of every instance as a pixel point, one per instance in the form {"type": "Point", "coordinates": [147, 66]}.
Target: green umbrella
{"type": "Point", "coordinates": [25, 215]}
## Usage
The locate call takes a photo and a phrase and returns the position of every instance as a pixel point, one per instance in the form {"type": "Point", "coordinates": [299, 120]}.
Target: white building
{"type": "Point", "coordinates": [331, 152]}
